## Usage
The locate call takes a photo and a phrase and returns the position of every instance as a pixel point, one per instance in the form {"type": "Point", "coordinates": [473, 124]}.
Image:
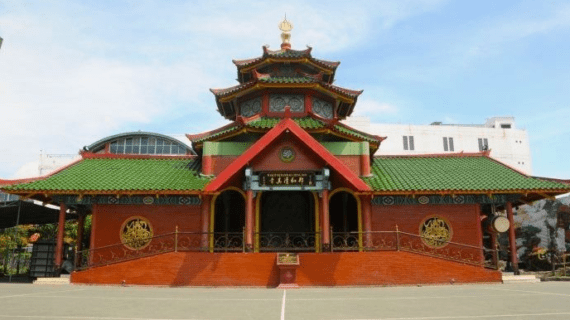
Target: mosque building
{"type": "Point", "coordinates": [285, 194]}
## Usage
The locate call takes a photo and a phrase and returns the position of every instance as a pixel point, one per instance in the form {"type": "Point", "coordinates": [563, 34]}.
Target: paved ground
{"type": "Point", "coordinates": [548, 300]}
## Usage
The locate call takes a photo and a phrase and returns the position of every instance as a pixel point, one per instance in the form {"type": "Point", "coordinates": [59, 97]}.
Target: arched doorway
{"type": "Point", "coordinates": [344, 221]}
{"type": "Point", "coordinates": [228, 221]}
{"type": "Point", "coordinates": [287, 221]}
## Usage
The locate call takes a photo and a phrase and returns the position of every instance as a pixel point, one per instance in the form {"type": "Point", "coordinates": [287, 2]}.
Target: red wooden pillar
{"type": "Point", "coordinates": [205, 217]}
{"type": "Point", "coordinates": [207, 165]}
{"type": "Point", "coordinates": [495, 258]}
{"type": "Point", "coordinates": [325, 218]}
{"type": "Point", "coordinates": [249, 220]}
{"type": "Point", "coordinates": [366, 220]}
{"type": "Point", "coordinates": [80, 227]}
{"type": "Point", "coordinates": [93, 231]}
{"type": "Point", "coordinates": [512, 238]}
{"type": "Point", "coordinates": [365, 165]}
{"type": "Point", "coordinates": [60, 233]}
{"type": "Point", "coordinates": [480, 233]}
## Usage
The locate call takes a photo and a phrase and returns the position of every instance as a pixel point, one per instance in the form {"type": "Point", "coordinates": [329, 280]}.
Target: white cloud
{"type": "Point", "coordinates": [73, 73]}
{"type": "Point", "coordinates": [373, 108]}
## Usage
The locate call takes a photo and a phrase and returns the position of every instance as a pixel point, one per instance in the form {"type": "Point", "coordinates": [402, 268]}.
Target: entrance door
{"type": "Point", "coordinates": [343, 213]}
{"type": "Point", "coordinates": [229, 221]}
{"type": "Point", "coordinates": [287, 221]}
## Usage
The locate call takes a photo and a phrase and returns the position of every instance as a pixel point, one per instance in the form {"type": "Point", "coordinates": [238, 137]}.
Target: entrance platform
{"type": "Point", "coordinates": [260, 270]}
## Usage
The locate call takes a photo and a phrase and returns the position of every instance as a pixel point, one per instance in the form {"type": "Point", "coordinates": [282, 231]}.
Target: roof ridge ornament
{"type": "Point", "coordinates": [286, 27]}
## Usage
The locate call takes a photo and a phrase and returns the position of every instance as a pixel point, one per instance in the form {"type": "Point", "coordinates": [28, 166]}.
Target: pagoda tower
{"type": "Point", "coordinates": [285, 83]}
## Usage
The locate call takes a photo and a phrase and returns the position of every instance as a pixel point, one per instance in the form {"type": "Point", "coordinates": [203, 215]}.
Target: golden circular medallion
{"type": "Point", "coordinates": [435, 232]}
{"type": "Point", "coordinates": [136, 233]}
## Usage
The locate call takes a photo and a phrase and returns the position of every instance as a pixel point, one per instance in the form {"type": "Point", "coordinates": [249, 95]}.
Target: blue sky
{"type": "Point", "coordinates": [72, 72]}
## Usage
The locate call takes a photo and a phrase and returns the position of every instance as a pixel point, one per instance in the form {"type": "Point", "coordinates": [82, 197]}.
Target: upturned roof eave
{"type": "Point", "coordinates": [228, 94]}
{"type": "Point", "coordinates": [31, 193]}
{"type": "Point", "coordinates": [411, 192]}
{"type": "Point", "coordinates": [280, 54]}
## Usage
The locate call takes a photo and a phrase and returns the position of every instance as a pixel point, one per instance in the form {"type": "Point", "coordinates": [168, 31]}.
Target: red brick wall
{"type": "Point", "coordinates": [352, 162]}
{"type": "Point", "coordinates": [219, 163]}
{"type": "Point", "coordinates": [163, 219]}
{"type": "Point", "coordinates": [464, 219]}
{"type": "Point", "coordinates": [305, 159]}
{"type": "Point", "coordinates": [259, 269]}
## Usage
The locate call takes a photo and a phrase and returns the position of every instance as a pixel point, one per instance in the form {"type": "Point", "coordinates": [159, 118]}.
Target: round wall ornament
{"type": "Point", "coordinates": [148, 200]}
{"type": "Point", "coordinates": [435, 232]}
{"type": "Point", "coordinates": [287, 154]}
{"type": "Point", "coordinates": [423, 200]}
{"type": "Point", "coordinates": [136, 233]}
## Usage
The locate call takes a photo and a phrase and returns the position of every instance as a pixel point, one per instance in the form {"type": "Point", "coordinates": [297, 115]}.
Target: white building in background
{"type": "Point", "coordinates": [50, 162]}
{"type": "Point", "coordinates": [498, 134]}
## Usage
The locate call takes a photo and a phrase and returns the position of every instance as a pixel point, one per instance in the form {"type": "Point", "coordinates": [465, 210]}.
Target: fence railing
{"type": "Point", "coordinates": [285, 241]}
{"type": "Point", "coordinates": [403, 241]}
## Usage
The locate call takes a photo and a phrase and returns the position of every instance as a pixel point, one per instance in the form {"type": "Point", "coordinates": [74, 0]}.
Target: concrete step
{"type": "Point", "coordinates": [523, 278]}
{"type": "Point", "coordinates": [63, 280]}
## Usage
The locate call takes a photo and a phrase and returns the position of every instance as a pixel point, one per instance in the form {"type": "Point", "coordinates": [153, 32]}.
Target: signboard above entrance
{"type": "Point", "coordinates": [287, 178]}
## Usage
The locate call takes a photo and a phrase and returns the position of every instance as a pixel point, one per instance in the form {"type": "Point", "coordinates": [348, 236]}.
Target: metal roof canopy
{"type": "Point", "coordinates": [29, 213]}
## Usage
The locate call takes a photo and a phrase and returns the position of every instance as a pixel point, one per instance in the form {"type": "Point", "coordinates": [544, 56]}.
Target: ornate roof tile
{"type": "Point", "coordinates": [460, 173]}
{"type": "Point", "coordinates": [121, 174]}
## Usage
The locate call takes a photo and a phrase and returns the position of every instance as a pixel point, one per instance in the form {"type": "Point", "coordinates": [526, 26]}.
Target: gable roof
{"type": "Point", "coordinates": [289, 125]}
{"type": "Point", "coordinates": [459, 173]}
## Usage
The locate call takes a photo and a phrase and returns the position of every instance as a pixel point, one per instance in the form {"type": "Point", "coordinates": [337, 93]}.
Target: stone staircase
{"type": "Point", "coordinates": [62, 280]}
{"type": "Point", "coordinates": [509, 277]}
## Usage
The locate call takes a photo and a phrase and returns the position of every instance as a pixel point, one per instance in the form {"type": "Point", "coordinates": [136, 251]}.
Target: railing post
{"type": "Point", "coordinates": [176, 240]}
{"type": "Point", "coordinates": [243, 240]}
{"type": "Point", "coordinates": [397, 239]}
{"type": "Point", "coordinates": [331, 238]}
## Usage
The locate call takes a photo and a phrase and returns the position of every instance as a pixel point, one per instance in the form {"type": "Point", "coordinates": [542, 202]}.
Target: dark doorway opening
{"type": "Point", "coordinates": [343, 215]}
{"type": "Point", "coordinates": [287, 221]}
{"type": "Point", "coordinates": [229, 221]}
{"type": "Point", "coordinates": [287, 212]}
{"type": "Point", "coordinates": [343, 210]}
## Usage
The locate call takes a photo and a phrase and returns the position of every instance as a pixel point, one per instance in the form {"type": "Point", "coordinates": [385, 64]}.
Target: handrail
{"type": "Point", "coordinates": [403, 241]}
{"type": "Point", "coordinates": [283, 241]}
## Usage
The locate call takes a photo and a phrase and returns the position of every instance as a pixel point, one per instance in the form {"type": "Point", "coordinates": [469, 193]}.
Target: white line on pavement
{"type": "Point", "coordinates": [283, 305]}
{"type": "Point", "coordinates": [473, 317]}
{"type": "Point", "coordinates": [85, 318]}
{"type": "Point", "coordinates": [36, 293]}
{"type": "Point", "coordinates": [535, 292]}
{"type": "Point", "coordinates": [277, 299]}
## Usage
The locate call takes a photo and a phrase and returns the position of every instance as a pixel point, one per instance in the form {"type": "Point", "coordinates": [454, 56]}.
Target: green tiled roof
{"type": "Point", "coordinates": [270, 122]}
{"type": "Point", "coordinates": [288, 80]}
{"type": "Point", "coordinates": [454, 173]}
{"type": "Point", "coordinates": [289, 53]}
{"type": "Point", "coordinates": [354, 133]}
{"type": "Point", "coordinates": [217, 134]}
{"type": "Point", "coordinates": [111, 174]}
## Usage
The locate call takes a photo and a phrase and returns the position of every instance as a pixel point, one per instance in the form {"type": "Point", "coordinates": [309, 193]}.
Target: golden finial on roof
{"type": "Point", "coordinates": [286, 27]}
